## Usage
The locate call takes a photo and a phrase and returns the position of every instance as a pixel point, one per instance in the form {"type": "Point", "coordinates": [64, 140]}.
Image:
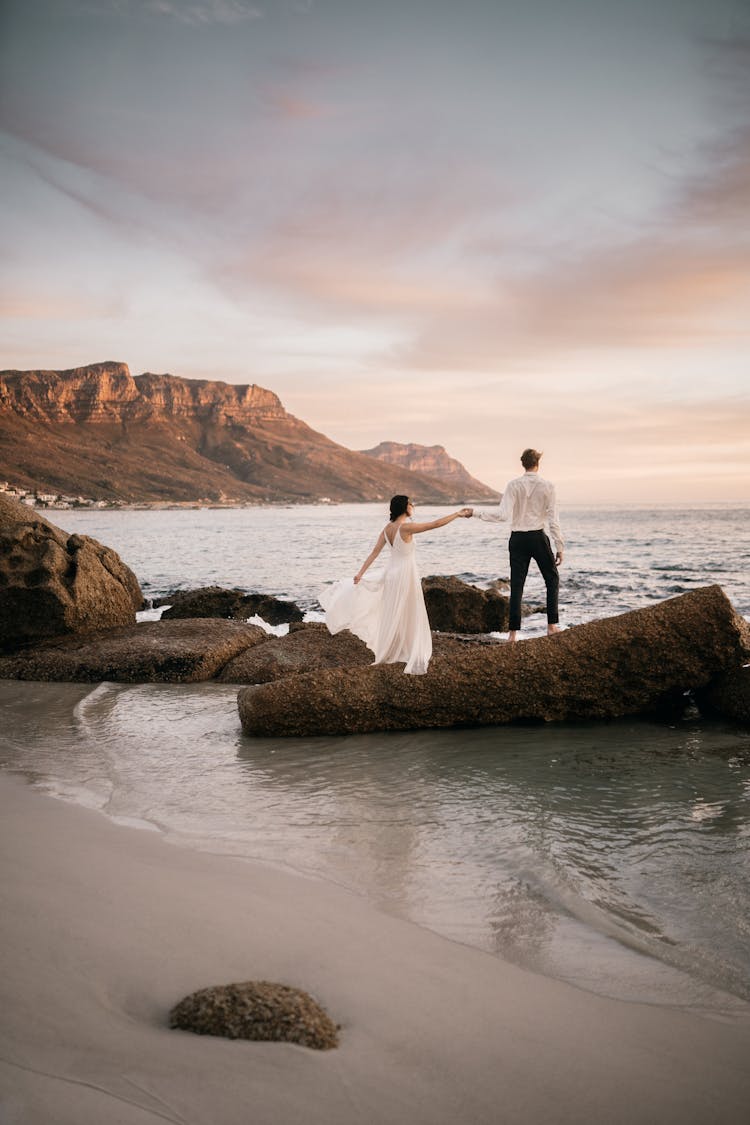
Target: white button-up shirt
{"type": "Point", "coordinates": [528, 503]}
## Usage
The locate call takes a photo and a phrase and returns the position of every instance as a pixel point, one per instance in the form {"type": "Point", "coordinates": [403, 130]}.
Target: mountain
{"type": "Point", "coordinates": [434, 462]}
{"type": "Point", "coordinates": [100, 432]}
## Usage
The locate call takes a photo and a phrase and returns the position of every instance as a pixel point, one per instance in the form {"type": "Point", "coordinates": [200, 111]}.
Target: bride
{"type": "Point", "coordinates": [388, 613]}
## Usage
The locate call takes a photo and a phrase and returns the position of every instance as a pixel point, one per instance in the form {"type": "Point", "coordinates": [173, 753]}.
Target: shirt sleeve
{"type": "Point", "coordinates": [553, 520]}
{"type": "Point", "coordinates": [504, 511]}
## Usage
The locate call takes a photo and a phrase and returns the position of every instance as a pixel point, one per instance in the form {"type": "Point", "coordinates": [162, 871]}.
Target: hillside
{"type": "Point", "coordinates": [433, 461]}
{"type": "Point", "coordinates": [98, 431]}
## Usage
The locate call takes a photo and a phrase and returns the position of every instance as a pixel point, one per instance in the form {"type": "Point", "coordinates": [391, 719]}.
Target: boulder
{"type": "Point", "coordinates": [214, 601]}
{"type": "Point", "coordinates": [454, 606]}
{"type": "Point", "coordinates": [728, 695]}
{"type": "Point", "coordinates": [306, 647]}
{"type": "Point", "coordinates": [624, 665]}
{"type": "Point", "coordinates": [171, 652]}
{"type": "Point", "coordinates": [53, 583]}
{"type": "Point", "coordinates": [309, 647]}
{"type": "Point", "coordinates": [258, 1010]}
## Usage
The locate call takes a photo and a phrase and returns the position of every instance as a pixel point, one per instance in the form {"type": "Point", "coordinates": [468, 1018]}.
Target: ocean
{"type": "Point", "coordinates": [615, 856]}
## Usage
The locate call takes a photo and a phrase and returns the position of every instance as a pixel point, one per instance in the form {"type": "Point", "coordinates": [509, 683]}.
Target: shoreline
{"type": "Point", "coordinates": [217, 505]}
{"type": "Point", "coordinates": [105, 927]}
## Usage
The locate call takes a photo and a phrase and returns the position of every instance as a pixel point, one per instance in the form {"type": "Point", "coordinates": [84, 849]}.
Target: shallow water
{"type": "Point", "coordinates": [615, 856]}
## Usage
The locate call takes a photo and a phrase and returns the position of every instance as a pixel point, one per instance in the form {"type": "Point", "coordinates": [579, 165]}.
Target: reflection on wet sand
{"type": "Point", "coordinates": [611, 855]}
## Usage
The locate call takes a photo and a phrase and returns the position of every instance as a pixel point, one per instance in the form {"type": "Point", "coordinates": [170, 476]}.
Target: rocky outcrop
{"type": "Point", "coordinates": [454, 606]}
{"type": "Point", "coordinates": [433, 461]}
{"type": "Point", "coordinates": [215, 601]}
{"type": "Point", "coordinates": [728, 695]}
{"type": "Point", "coordinates": [618, 666]}
{"type": "Point", "coordinates": [306, 647]}
{"type": "Point", "coordinates": [309, 647]}
{"type": "Point", "coordinates": [100, 432]}
{"type": "Point", "coordinates": [107, 392]}
{"type": "Point", "coordinates": [258, 1010]}
{"type": "Point", "coordinates": [52, 583]}
{"type": "Point", "coordinates": [170, 652]}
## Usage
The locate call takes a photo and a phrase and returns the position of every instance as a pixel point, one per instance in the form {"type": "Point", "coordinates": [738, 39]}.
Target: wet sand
{"type": "Point", "coordinates": [103, 928]}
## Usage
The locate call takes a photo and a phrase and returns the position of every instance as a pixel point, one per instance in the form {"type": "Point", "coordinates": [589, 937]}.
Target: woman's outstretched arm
{"type": "Point", "coordinates": [371, 557]}
{"type": "Point", "coordinates": [409, 529]}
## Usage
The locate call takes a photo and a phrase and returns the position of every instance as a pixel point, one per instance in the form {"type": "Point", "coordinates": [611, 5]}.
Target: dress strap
{"type": "Point", "coordinates": [397, 535]}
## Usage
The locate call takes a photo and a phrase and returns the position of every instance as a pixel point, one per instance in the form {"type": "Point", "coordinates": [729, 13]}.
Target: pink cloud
{"type": "Point", "coordinates": [294, 107]}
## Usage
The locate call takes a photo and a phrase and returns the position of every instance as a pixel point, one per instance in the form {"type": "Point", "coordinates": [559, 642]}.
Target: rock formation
{"type": "Point", "coordinates": [52, 583]}
{"type": "Point", "coordinates": [307, 647]}
{"type": "Point", "coordinates": [433, 461]}
{"type": "Point", "coordinates": [171, 652]}
{"type": "Point", "coordinates": [728, 695]}
{"type": "Point", "coordinates": [102, 433]}
{"type": "Point", "coordinates": [214, 601]}
{"type": "Point", "coordinates": [454, 606]}
{"type": "Point", "coordinates": [257, 1010]}
{"type": "Point", "coordinates": [618, 666]}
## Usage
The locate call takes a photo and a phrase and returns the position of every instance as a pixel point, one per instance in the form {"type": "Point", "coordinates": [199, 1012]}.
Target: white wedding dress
{"type": "Point", "coordinates": [386, 611]}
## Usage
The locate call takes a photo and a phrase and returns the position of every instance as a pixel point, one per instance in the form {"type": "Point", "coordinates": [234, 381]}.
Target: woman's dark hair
{"type": "Point", "coordinates": [398, 506]}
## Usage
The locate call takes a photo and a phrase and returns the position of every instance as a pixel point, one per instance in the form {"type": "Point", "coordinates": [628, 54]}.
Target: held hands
{"type": "Point", "coordinates": [465, 513]}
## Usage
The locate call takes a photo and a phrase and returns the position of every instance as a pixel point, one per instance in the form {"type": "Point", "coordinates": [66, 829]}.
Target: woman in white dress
{"type": "Point", "coordinates": [388, 613]}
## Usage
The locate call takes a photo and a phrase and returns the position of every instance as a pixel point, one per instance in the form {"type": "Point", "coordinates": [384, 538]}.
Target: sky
{"type": "Point", "coordinates": [486, 225]}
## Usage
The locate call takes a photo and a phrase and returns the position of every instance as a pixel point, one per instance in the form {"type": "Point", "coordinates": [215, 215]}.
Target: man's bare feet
{"type": "Point", "coordinates": [512, 637]}
{"type": "Point", "coordinates": [552, 629]}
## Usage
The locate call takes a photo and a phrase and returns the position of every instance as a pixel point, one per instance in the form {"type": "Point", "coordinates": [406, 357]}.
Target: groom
{"type": "Point", "coordinates": [529, 503]}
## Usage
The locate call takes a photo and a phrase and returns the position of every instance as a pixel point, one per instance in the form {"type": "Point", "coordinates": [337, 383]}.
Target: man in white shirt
{"type": "Point", "coordinates": [528, 503]}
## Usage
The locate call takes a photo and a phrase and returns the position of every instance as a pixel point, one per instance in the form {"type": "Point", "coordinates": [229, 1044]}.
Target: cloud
{"type": "Point", "coordinates": [40, 306]}
{"type": "Point", "coordinates": [683, 280]}
{"type": "Point", "coordinates": [293, 107]}
{"type": "Point", "coordinates": [206, 12]}
{"type": "Point", "coordinates": [194, 13]}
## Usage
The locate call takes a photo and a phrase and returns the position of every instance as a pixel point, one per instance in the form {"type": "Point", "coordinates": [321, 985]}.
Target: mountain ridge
{"type": "Point", "coordinates": [99, 431]}
{"type": "Point", "coordinates": [433, 461]}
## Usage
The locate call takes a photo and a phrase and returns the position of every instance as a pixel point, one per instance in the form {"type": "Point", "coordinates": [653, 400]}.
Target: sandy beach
{"type": "Point", "coordinates": [105, 927]}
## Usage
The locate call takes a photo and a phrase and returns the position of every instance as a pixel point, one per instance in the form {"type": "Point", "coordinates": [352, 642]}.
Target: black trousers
{"type": "Point", "coordinates": [523, 547]}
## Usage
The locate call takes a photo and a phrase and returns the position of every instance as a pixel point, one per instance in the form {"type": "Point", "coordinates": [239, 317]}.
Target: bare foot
{"type": "Point", "coordinates": [552, 629]}
{"type": "Point", "coordinates": [512, 637]}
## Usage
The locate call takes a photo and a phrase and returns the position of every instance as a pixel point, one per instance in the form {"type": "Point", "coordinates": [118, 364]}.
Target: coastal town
{"type": "Point", "coordinates": [57, 500]}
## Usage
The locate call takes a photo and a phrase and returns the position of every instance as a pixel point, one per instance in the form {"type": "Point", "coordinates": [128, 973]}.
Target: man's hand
{"type": "Point", "coordinates": [558, 558]}
{"type": "Point", "coordinates": [466, 513]}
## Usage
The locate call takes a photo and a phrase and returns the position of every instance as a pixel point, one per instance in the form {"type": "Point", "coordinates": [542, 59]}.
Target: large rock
{"type": "Point", "coordinates": [170, 652]}
{"type": "Point", "coordinates": [454, 606]}
{"type": "Point", "coordinates": [622, 665]}
{"type": "Point", "coordinates": [214, 601]}
{"type": "Point", "coordinates": [309, 647]}
{"type": "Point", "coordinates": [728, 695]}
{"type": "Point", "coordinates": [259, 1010]}
{"type": "Point", "coordinates": [52, 583]}
{"type": "Point", "coordinates": [306, 647]}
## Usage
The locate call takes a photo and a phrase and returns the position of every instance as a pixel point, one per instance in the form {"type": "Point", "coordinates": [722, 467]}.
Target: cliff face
{"type": "Point", "coordinates": [107, 392]}
{"type": "Point", "coordinates": [98, 431]}
{"type": "Point", "coordinates": [435, 462]}
{"type": "Point", "coordinates": [85, 394]}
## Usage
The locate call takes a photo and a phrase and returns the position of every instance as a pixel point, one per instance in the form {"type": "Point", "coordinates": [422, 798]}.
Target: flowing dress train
{"type": "Point", "coordinates": [386, 611]}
